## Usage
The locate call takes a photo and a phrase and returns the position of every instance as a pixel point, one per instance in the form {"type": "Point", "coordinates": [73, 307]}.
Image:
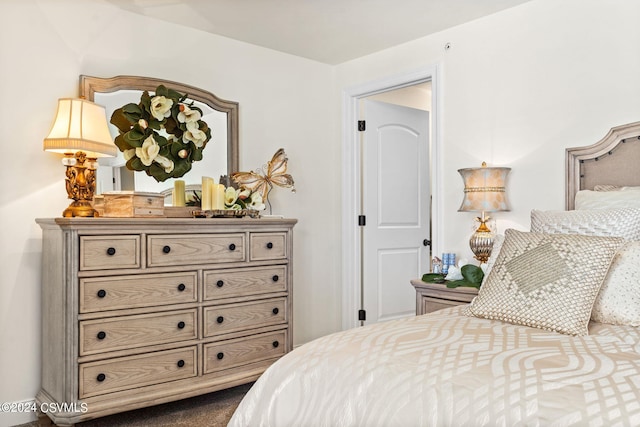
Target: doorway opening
{"type": "Point", "coordinates": [417, 89]}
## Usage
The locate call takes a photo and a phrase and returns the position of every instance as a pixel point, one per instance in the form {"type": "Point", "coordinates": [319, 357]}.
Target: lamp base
{"type": "Point", "coordinates": [80, 183]}
{"type": "Point", "coordinates": [81, 208]}
{"type": "Point", "coordinates": [481, 242]}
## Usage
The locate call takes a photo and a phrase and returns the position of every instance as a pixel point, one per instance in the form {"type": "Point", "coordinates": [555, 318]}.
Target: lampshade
{"type": "Point", "coordinates": [80, 125]}
{"type": "Point", "coordinates": [484, 189]}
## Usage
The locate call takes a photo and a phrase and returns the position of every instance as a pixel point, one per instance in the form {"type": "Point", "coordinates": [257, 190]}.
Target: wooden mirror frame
{"type": "Point", "coordinates": [90, 85]}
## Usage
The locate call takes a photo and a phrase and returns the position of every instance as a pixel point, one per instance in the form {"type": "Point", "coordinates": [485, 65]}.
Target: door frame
{"type": "Point", "coordinates": [351, 167]}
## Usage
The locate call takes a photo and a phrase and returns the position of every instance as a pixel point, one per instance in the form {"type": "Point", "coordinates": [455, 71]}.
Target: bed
{"type": "Point", "coordinates": [552, 339]}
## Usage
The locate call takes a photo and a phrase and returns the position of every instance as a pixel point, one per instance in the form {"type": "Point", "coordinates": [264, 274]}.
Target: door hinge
{"type": "Point", "coordinates": [362, 315]}
{"type": "Point", "coordinates": [362, 126]}
{"type": "Point", "coordinates": [362, 220]}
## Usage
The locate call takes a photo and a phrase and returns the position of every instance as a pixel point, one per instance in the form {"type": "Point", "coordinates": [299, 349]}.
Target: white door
{"type": "Point", "coordinates": [396, 194]}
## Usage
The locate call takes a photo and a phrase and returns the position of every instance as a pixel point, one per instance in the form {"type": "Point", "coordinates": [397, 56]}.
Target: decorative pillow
{"type": "Point", "coordinates": [546, 281]}
{"type": "Point", "coordinates": [587, 199]}
{"type": "Point", "coordinates": [618, 302]}
{"type": "Point", "coordinates": [495, 250]}
{"type": "Point", "coordinates": [598, 222]}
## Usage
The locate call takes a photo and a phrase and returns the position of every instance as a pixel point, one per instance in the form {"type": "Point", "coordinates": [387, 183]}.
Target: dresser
{"type": "Point", "coordinates": [433, 296]}
{"type": "Point", "coordinates": [138, 312]}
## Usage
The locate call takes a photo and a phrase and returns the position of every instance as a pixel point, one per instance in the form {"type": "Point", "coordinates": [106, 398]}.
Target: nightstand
{"type": "Point", "coordinates": [433, 296]}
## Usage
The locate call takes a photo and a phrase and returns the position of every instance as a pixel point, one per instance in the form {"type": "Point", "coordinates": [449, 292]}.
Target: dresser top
{"type": "Point", "coordinates": [186, 224]}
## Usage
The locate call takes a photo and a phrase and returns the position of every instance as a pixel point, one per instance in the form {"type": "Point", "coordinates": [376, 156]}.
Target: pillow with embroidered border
{"type": "Point", "coordinates": [546, 281]}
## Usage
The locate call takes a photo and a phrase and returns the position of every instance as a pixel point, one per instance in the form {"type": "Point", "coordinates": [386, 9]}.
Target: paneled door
{"type": "Point", "coordinates": [396, 195]}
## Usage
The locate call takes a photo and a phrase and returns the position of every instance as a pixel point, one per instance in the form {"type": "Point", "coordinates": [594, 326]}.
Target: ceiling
{"type": "Point", "coordinates": [329, 31]}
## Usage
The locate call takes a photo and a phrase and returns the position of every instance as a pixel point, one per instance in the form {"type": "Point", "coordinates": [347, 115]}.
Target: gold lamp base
{"type": "Point", "coordinates": [481, 241]}
{"type": "Point", "coordinates": [80, 183]}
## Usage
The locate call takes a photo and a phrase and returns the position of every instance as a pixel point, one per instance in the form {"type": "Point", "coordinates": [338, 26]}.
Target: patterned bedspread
{"type": "Point", "coordinates": [447, 369]}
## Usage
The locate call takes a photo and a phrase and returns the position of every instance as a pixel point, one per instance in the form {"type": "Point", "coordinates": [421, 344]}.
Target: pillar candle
{"type": "Point", "coordinates": [207, 188]}
{"type": "Point", "coordinates": [178, 193]}
{"type": "Point", "coordinates": [219, 196]}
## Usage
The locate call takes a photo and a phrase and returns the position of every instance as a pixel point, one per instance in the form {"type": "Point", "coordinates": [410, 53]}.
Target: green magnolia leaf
{"type": "Point", "coordinates": [433, 278]}
{"type": "Point", "coordinates": [133, 109]}
{"type": "Point", "coordinates": [181, 167]}
{"type": "Point", "coordinates": [134, 138]}
{"type": "Point", "coordinates": [472, 273]}
{"type": "Point", "coordinates": [162, 91]}
{"type": "Point", "coordinates": [135, 164]}
{"type": "Point", "coordinates": [120, 120]}
{"type": "Point", "coordinates": [122, 144]}
{"type": "Point", "coordinates": [157, 172]}
{"type": "Point", "coordinates": [462, 283]}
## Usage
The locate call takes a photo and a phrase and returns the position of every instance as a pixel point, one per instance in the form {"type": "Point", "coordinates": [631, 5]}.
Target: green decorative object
{"type": "Point", "coordinates": [472, 277]}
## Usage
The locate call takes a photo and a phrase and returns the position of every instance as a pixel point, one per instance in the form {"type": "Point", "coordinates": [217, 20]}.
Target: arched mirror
{"type": "Point", "coordinates": [220, 157]}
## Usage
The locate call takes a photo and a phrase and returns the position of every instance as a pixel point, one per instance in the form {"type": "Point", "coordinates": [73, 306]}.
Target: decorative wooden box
{"type": "Point", "coordinates": [130, 204]}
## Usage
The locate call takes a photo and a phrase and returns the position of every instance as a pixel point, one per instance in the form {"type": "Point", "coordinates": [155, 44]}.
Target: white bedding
{"type": "Point", "coordinates": [448, 369]}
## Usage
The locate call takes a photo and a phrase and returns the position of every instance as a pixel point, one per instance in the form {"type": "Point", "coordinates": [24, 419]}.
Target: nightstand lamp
{"type": "Point", "coordinates": [80, 132]}
{"type": "Point", "coordinates": [484, 191]}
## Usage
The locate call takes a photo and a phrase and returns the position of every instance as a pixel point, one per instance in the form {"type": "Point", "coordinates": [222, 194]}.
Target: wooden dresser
{"type": "Point", "coordinates": [137, 312]}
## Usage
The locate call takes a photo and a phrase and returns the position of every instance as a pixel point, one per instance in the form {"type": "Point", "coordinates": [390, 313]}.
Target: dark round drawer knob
{"type": "Point", "coordinates": [101, 377]}
{"type": "Point", "coordinates": [275, 344]}
{"type": "Point", "coordinates": [166, 249]}
{"type": "Point", "coordinates": [181, 287]}
{"type": "Point", "coordinates": [232, 247]}
{"type": "Point", "coordinates": [181, 325]}
{"type": "Point", "coordinates": [180, 363]}
{"type": "Point", "coordinates": [219, 283]}
{"type": "Point", "coordinates": [102, 293]}
{"type": "Point", "coordinates": [220, 319]}
{"type": "Point", "coordinates": [111, 251]}
{"type": "Point", "coordinates": [220, 356]}
{"type": "Point", "coordinates": [102, 335]}
{"type": "Point", "coordinates": [275, 278]}
{"type": "Point", "coordinates": [275, 310]}
{"type": "Point", "coordinates": [269, 245]}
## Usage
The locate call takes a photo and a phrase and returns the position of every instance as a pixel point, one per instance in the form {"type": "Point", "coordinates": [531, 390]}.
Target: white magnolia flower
{"type": "Point", "coordinates": [256, 203]}
{"type": "Point", "coordinates": [187, 115]}
{"type": "Point", "coordinates": [167, 164]}
{"type": "Point", "coordinates": [195, 135]}
{"type": "Point", "coordinates": [128, 154]}
{"type": "Point", "coordinates": [230, 196]}
{"type": "Point", "coordinates": [149, 151]}
{"type": "Point", "coordinates": [454, 273]}
{"type": "Point", "coordinates": [161, 107]}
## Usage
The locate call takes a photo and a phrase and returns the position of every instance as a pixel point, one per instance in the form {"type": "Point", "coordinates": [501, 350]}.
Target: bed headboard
{"type": "Point", "coordinates": [614, 160]}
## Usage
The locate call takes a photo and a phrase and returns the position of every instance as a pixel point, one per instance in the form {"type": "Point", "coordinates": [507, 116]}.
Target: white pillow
{"type": "Point", "coordinates": [618, 302]}
{"type": "Point", "coordinates": [495, 250]}
{"type": "Point", "coordinates": [588, 199]}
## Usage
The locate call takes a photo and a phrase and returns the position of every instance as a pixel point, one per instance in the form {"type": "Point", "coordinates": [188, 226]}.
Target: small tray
{"type": "Point", "coordinates": [225, 213]}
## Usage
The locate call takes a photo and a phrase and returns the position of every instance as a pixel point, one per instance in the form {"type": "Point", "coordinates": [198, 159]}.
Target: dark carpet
{"type": "Point", "coordinates": [209, 410]}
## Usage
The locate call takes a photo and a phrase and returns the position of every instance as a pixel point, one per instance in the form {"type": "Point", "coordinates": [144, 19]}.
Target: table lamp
{"type": "Point", "coordinates": [484, 191]}
{"type": "Point", "coordinates": [80, 132]}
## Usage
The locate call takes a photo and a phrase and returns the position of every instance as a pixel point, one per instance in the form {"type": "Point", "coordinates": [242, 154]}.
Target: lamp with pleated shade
{"type": "Point", "coordinates": [80, 132]}
{"type": "Point", "coordinates": [484, 191]}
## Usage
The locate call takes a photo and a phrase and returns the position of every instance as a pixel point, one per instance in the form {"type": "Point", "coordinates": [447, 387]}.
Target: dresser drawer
{"type": "Point", "coordinates": [229, 354]}
{"type": "Point", "coordinates": [109, 252]}
{"type": "Point", "coordinates": [136, 371]}
{"type": "Point", "coordinates": [185, 249]}
{"type": "Point", "coordinates": [124, 332]}
{"type": "Point", "coordinates": [265, 246]}
{"type": "Point", "coordinates": [238, 317]}
{"type": "Point", "coordinates": [142, 290]}
{"type": "Point", "coordinates": [248, 281]}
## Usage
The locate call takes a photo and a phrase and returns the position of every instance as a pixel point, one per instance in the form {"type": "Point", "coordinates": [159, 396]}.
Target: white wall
{"type": "Point", "coordinates": [518, 88]}
{"type": "Point", "coordinates": [284, 100]}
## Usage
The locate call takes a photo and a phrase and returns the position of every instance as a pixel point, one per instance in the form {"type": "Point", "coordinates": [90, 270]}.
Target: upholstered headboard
{"type": "Point", "coordinates": [614, 160]}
